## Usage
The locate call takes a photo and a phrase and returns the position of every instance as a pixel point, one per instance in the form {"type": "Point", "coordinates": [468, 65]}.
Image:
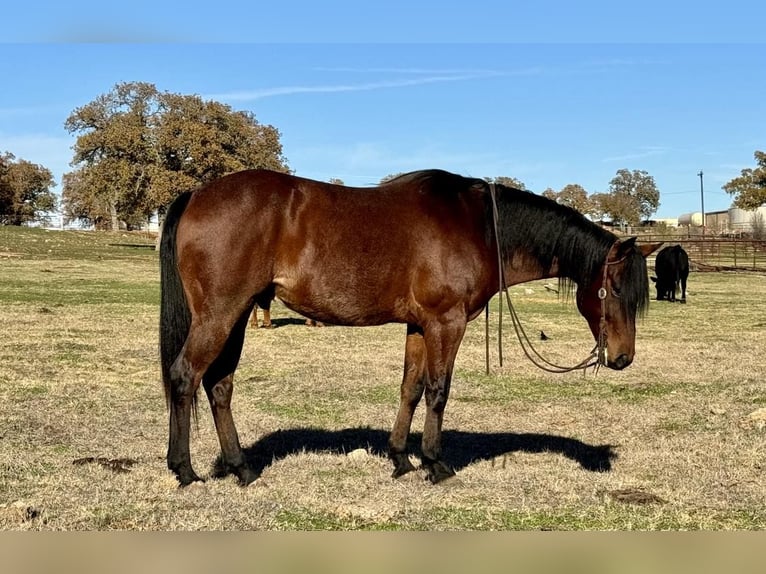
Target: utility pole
{"type": "Point", "coordinates": [702, 200]}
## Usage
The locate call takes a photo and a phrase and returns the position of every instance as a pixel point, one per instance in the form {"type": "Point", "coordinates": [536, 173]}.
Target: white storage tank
{"type": "Point", "coordinates": [693, 219]}
{"type": "Point", "coordinates": [742, 219]}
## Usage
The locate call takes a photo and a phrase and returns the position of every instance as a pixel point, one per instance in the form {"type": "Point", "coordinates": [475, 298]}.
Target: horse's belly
{"type": "Point", "coordinates": [339, 306]}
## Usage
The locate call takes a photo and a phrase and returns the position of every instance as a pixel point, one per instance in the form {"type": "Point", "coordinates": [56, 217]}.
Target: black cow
{"type": "Point", "coordinates": [672, 268]}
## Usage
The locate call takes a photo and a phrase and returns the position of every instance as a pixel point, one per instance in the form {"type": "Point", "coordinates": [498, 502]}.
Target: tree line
{"type": "Point", "coordinates": [137, 148]}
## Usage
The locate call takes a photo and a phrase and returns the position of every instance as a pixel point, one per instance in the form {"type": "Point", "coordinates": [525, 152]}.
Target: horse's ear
{"type": "Point", "coordinates": [625, 246]}
{"type": "Point", "coordinates": [647, 248]}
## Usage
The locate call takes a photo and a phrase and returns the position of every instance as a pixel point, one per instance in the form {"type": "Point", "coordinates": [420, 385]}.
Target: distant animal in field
{"type": "Point", "coordinates": [267, 324]}
{"type": "Point", "coordinates": [672, 268]}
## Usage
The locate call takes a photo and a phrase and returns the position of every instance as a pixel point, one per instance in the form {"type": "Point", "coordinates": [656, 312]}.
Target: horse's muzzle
{"type": "Point", "coordinates": [619, 363]}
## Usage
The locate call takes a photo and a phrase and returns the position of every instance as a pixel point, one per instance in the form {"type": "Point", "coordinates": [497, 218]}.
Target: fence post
{"type": "Point", "coordinates": [754, 252]}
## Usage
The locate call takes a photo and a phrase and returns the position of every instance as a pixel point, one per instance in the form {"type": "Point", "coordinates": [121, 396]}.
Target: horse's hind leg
{"type": "Point", "coordinates": [204, 343]}
{"type": "Point", "coordinates": [413, 384]}
{"type": "Point", "coordinates": [200, 349]}
{"type": "Point", "coordinates": [184, 383]}
{"type": "Point", "coordinates": [218, 383]}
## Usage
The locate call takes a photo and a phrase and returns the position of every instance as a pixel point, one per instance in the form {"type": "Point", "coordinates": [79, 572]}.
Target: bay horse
{"type": "Point", "coordinates": [421, 249]}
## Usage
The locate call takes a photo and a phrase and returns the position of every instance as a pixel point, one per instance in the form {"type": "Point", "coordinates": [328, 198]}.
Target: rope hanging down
{"type": "Point", "coordinates": [599, 351]}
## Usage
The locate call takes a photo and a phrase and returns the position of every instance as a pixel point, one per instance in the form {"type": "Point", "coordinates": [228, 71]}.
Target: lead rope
{"type": "Point", "coordinates": [598, 352]}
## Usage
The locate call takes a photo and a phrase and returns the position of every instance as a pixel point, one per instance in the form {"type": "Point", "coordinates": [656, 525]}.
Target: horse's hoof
{"type": "Point", "coordinates": [188, 480]}
{"type": "Point", "coordinates": [402, 468]}
{"type": "Point", "coordinates": [245, 476]}
{"type": "Point", "coordinates": [437, 472]}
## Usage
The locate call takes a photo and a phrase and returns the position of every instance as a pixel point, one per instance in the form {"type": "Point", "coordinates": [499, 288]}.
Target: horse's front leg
{"type": "Point", "coordinates": [442, 341]}
{"type": "Point", "coordinates": [413, 383]}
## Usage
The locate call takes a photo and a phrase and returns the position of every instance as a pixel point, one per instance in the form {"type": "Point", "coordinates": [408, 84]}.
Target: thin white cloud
{"type": "Point", "coordinates": [648, 151]}
{"type": "Point", "coordinates": [249, 95]}
{"type": "Point", "coordinates": [418, 71]}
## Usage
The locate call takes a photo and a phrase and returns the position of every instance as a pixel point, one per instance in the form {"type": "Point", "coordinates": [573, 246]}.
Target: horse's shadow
{"type": "Point", "coordinates": [284, 321]}
{"type": "Point", "coordinates": [462, 448]}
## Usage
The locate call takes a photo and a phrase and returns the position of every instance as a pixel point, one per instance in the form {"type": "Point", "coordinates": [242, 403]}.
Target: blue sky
{"type": "Point", "coordinates": [549, 113]}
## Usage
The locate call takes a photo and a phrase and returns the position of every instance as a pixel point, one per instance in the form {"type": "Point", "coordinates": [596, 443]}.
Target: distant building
{"type": "Point", "coordinates": [731, 221]}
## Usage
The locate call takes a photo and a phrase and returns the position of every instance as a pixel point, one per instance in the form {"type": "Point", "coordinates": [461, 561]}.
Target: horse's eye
{"type": "Point", "coordinates": [616, 291]}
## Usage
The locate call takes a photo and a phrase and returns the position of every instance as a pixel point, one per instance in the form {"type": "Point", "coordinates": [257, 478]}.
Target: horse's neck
{"type": "Point", "coordinates": [525, 267]}
{"type": "Point", "coordinates": [524, 264]}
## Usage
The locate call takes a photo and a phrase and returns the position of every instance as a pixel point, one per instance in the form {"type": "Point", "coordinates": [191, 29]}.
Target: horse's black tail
{"type": "Point", "coordinates": [175, 318]}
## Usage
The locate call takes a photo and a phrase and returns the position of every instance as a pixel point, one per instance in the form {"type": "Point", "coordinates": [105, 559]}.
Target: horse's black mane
{"type": "Point", "coordinates": [549, 232]}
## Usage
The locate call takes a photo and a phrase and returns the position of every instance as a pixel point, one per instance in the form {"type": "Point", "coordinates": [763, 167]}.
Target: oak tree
{"type": "Point", "coordinates": [634, 196]}
{"type": "Point", "coordinates": [507, 181]}
{"type": "Point", "coordinates": [138, 148]}
{"type": "Point", "coordinates": [25, 191]}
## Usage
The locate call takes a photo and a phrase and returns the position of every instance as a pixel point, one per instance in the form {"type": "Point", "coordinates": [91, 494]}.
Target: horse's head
{"type": "Point", "coordinates": [613, 298]}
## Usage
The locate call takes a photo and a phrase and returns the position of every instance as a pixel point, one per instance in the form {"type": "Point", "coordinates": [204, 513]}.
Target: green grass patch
{"type": "Point", "coordinates": [73, 291]}
{"type": "Point", "coordinates": [53, 245]}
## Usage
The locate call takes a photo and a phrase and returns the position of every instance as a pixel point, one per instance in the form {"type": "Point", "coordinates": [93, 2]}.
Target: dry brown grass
{"type": "Point", "coordinates": [79, 380]}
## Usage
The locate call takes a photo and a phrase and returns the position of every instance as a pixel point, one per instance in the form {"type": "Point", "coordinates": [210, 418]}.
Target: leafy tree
{"type": "Point", "coordinates": [749, 188]}
{"type": "Point", "coordinates": [598, 206]}
{"type": "Point", "coordinates": [572, 195]}
{"type": "Point", "coordinates": [550, 194]}
{"type": "Point", "coordinates": [25, 191]}
{"type": "Point", "coordinates": [112, 155]}
{"type": "Point", "coordinates": [620, 207]}
{"type": "Point", "coordinates": [635, 196]}
{"type": "Point", "coordinates": [137, 149]}
{"type": "Point", "coordinates": [198, 141]}
{"type": "Point", "coordinates": [6, 191]}
{"type": "Point", "coordinates": [507, 181]}
{"type": "Point", "coordinates": [575, 196]}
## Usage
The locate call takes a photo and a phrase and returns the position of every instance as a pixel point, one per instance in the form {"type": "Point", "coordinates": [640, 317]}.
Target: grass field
{"type": "Point", "coordinates": [676, 441]}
